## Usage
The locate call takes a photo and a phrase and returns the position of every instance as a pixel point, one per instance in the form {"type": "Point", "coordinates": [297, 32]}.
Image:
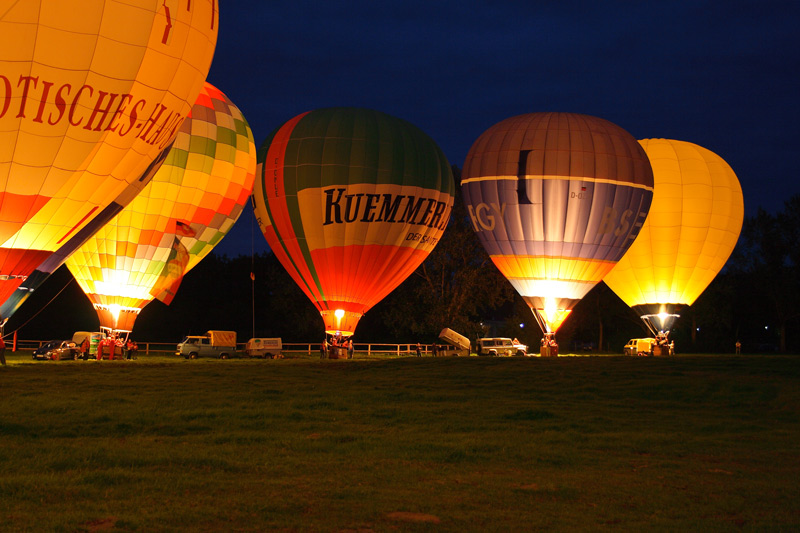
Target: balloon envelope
{"type": "Point", "coordinates": [351, 201]}
{"type": "Point", "coordinates": [190, 204]}
{"type": "Point", "coordinates": [91, 92]}
{"type": "Point", "coordinates": [692, 229]}
{"type": "Point", "coordinates": [556, 199]}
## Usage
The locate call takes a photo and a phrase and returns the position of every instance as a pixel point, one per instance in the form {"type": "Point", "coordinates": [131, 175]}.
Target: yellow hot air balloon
{"type": "Point", "coordinates": [692, 228]}
{"type": "Point", "coordinates": [556, 199]}
{"type": "Point", "coordinates": [190, 204]}
{"type": "Point", "coordinates": [91, 93]}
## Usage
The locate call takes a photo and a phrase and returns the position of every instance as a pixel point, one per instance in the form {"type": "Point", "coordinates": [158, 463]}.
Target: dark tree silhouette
{"type": "Point", "coordinates": [457, 286]}
{"type": "Point", "coordinates": [765, 267]}
{"type": "Point", "coordinates": [754, 299]}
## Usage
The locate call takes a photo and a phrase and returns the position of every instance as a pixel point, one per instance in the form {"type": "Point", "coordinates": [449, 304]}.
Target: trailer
{"type": "Point", "coordinates": [458, 344]}
{"type": "Point", "coordinates": [268, 348]}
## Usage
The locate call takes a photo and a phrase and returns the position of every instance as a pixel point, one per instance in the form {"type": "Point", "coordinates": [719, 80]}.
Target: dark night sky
{"type": "Point", "coordinates": [720, 74]}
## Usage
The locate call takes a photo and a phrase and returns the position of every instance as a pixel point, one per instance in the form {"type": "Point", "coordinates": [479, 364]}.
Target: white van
{"type": "Point", "coordinates": [268, 348]}
{"type": "Point", "coordinates": [639, 346]}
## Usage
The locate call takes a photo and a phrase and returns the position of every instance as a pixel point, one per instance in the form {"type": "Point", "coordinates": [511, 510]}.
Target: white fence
{"type": "Point", "coordinates": [168, 348]}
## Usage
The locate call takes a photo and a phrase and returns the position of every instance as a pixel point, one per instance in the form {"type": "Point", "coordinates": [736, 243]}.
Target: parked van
{"type": "Point", "coordinates": [639, 346]}
{"type": "Point", "coordinates": [267, 348]}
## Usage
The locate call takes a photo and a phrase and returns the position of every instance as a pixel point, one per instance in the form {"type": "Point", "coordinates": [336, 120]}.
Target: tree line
{"type": "Point", "coordinates": [752, 300]}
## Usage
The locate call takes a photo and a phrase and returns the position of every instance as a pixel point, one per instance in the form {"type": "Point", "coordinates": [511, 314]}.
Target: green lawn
{"type": "Point", "coordinates": [410, 444]}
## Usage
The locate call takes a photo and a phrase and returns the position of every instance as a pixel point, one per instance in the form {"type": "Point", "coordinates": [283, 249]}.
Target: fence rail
{"type": "Point", "coordinates": [288, 347]}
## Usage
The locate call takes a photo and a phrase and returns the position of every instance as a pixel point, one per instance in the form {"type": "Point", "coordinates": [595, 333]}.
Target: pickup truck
{"type": "Point", "coordinates": [214, 343]}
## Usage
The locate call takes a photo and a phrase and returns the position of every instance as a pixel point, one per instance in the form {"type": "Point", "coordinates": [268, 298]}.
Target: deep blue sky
{"type": "Point", "coordinates": [723, 74]}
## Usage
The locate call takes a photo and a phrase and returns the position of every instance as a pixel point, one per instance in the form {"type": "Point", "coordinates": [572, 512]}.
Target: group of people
{"type": "Point", "coordinates": [549, 345]}
{"type": "Point", "coordinates": [111, 347]}
{"type": "Point", "coordinates": [436, 350]}
{"type": "Point", "coordinates": [333, 349]}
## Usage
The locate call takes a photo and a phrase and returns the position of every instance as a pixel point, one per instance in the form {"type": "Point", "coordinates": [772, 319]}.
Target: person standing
{"type": "Point", "coordinates": [2, 350]}
{"type": "Point", "coordinates": [419, 350]}
{"type": "Point", "coordinates": [350, 349]}
{"type": "Point", "coordinates": [85, 348]}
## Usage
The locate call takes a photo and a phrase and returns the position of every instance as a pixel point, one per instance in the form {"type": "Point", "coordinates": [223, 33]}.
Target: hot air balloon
{"type": "Point", "coordinates": [92, 93]}
{"type": "Point", "coordinates": [351, 201]}
{"type": "Point", "coordinates": [556, 199]}
{"type": "Point", "coordinates": [189, 205]}
{"type": "Point", "coordinates": [691, 231]}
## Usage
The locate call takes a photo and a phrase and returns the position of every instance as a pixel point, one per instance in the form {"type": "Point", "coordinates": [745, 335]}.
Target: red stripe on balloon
{"type": "Point", "coordinates": [15, 266]}
{"type": "Point", "coordinates": [16, 210]}
{"type": "Point", "coordinates": [275, 195]}
{"type": "Point", "coordinates": [76, 226]}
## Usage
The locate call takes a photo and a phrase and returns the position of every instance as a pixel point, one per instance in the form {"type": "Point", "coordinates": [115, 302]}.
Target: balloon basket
{"type": "Point", "coordinates": [549, 351]}
{"type": "Point", "coordinates": [338, 352]}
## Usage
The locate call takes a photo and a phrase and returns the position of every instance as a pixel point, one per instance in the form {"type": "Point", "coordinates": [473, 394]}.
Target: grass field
{"type": "Point", "coordinates": [401, 444]}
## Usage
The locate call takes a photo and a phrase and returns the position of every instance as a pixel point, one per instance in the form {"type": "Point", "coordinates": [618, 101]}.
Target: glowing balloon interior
{"type": "Point", "coordinates": [692, 229]}
{"type": "Point", "coordinates": [91, 93]}
{"type": "Point", "coordinates": [190, 204]}
{"type": "Point", "coordinates": [556, 199]}
{"type": "Point", "coordinates": [351, 201]}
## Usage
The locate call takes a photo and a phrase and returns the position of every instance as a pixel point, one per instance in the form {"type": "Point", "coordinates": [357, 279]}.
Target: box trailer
{"type": "Point", "coordinates": [263, 347]}
{"type": "Point", "coordinates": [460, 345]}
